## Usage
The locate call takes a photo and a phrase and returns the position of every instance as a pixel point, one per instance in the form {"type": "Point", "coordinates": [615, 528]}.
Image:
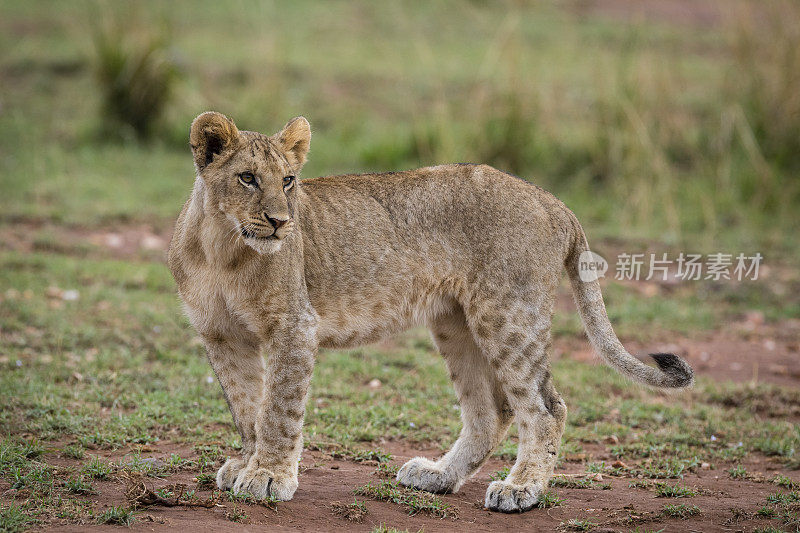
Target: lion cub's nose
{"type": "Point", "coordinates": [276, 222]}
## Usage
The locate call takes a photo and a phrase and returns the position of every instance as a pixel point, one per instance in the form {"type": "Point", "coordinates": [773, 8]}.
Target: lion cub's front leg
{"type": "Point", "coordinates": [272, 469]}
{"type": "Point", "coordinates": [235, 356]}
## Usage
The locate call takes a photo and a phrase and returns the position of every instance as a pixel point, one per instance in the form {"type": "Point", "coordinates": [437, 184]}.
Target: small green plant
{"type": "Point", "coordinates": [175, 462]}
{"type": "Point", "coordinates": [578, 483]}
{"type": "Point", "coordinates": [766, 512]}
{"type": "Point", "coordinates": [241, 497]}
{"type": "Point", "coordinates": [665, 490]}
{"type": "Point", "coordinates": [383, 528]}
{"type": "Point", "coordinates": [415, 501]}
{"type": "Point", "coordinates": [361, 456]}
{"type": "Point", "coordinates": [680, 511]}
{"type": "Point", "coordinates": [738, 472]}
{"type": "Point", "coordinates": [386, 470]}
{"type": "Point", "coordinates": [500, 475]}
{"type": "Point", "coordinates": [575, 524]}
{"type": "Point", "coordinates": [206, 481]}
{"type": "Point", "coordinates": [596, 468]}
{"type": "Point", "coordinates": [210, 456]}
{"type": "Point", "coordinates": [13, 518]}
{"type": "Point", "coordinates": [147, 466]}
{"type": "Point", "coordinates": [549, 499]}
{"type": "Point", "coordinates": [783, 498]}
{"type": "Point", "coordinates": [77, 485]}
{"type": "Point", "coordinates": [785, 481]}
{"type": "Point", "coordinates": [354, 512]}
{"type": "Point", "coordinates": [236, 515]}
{"type": "Point", "coordinates": [136, 76]}
{"type": "Point", "coordinates": [31, 449]}
{"type": "Point", "coordinates": [96, 468]}
{"type": "Point", "coordinates": [117, 515]}
{"type": "Point", "coordinates": [165, 492]}
{"type": "Point", "coordinates": [74, 451]}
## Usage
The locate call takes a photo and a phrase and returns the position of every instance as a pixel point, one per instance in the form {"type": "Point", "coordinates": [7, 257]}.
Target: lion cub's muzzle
{"type": "Point", "coordinates": [267, 227]}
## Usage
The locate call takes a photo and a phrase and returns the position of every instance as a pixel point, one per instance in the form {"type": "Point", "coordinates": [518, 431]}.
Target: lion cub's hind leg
{"type": "Point", "coordinates": [484, 419]}
{"type": "Point", "coordinates": [518, 354]}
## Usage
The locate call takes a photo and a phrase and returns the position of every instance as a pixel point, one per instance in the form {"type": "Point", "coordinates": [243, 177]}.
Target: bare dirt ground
{"type": "Point", "coordinates": [325, 480]}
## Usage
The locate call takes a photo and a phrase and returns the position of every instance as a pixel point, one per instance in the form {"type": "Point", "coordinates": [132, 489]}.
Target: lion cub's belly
{"type": "Point", "coordinates": [348, 322]}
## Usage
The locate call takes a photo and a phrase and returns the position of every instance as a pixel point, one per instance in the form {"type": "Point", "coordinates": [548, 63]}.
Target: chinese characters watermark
{"type": "Point", "coordinates": [686, 267]}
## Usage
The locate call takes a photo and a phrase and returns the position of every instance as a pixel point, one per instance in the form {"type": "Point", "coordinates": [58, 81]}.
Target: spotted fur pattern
{"type": "Point", "coordinates": [275, 268]}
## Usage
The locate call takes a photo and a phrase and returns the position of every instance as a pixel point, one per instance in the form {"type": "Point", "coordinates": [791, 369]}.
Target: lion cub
{"type": "Point", "coordinates": [267, 264]}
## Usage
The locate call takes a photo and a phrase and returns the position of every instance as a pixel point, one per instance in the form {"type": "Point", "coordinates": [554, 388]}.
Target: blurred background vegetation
{"type": "Point", "coordinates": [673, 122]}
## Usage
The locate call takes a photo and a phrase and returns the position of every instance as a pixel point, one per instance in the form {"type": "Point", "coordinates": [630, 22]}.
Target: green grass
{"type": "Point", "coordinates": [680, 510]}
{"type": "Point", "coordinates": [738, 472]}
{"type": "Point", "coordinates": [501, 474]}
{"type": "Point", "coordinates": [386, 470]}
{"type": "Point", "coordinates": [14, 518]}
{"type": "Point", "coordinates": [96, 468]}
{"type": "Point", "coordinates": [575, 524]}
{"type": "Point", "coordinates": [78, 485]}
{"type": "Point", "coordinates": [414, 501]}
{"type": "Point", "coordinates": [117, 515]}
{"type": "Point", "coordinates": [235, 514]}
{"type": "Point", "coordinates": [548, 500]}
{"type": "Point", "coordinates": [564, 482]}
{"type": "Point", "coordinates": [665, 490]}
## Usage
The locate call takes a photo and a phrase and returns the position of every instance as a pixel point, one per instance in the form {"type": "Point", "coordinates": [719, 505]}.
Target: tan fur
{"type": "Point", "coordinates": [471, 252]}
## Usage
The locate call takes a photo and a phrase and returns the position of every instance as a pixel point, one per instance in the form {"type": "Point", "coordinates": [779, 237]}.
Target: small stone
{"type": "Point", "coordinates": [152, 242]}
{"type": "Point", "coordinates": [375, 384]}
{"type": "Point", "coordinates": [70, 295]}
{"type": "Point", "coordinates": [114, 240]}
{"type": "Point", "coordinates": [705, 466]}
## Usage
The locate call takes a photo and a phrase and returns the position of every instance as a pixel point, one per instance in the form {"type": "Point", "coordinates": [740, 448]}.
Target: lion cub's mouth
{"type": "Point", "coordinates": [247, 234]}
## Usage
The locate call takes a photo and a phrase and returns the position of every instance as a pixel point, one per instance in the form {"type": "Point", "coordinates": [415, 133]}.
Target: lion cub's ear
{"type": "Point", "coordinates": [295, 139]}
{"type": "Point", "coordinates": [211, 134]}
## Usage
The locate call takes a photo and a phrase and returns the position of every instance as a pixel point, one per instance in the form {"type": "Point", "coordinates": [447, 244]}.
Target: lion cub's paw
{"type": "Point", "coordinates": [508, 498]}
{"type": "Point", "coordinates": [226, 475]}
{"type": "Point", "coordinates": [423, 474]}
{"type": "Point", "coordinates": [263, 484]}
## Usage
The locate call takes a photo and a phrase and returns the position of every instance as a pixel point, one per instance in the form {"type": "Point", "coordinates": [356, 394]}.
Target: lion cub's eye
{"type": "Point", "coordinates": [247, 178]}
{"type": "Point", "coordinates": [288, 181]}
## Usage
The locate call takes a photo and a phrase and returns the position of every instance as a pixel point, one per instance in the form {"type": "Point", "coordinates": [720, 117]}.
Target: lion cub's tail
{"type": "Point", "coordinates": [672, 371]}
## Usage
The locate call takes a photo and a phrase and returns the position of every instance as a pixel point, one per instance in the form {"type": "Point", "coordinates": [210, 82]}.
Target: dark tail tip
{"type": "Point", "coordinates": [678, 372]}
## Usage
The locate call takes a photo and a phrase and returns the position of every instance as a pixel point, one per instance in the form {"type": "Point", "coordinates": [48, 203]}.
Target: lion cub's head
{"type": "Point", "coordinates": [249, 177]}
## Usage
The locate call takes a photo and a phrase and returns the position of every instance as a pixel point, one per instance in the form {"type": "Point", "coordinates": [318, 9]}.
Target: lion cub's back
{"type": "Point", "coordinates": [473, 206]}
